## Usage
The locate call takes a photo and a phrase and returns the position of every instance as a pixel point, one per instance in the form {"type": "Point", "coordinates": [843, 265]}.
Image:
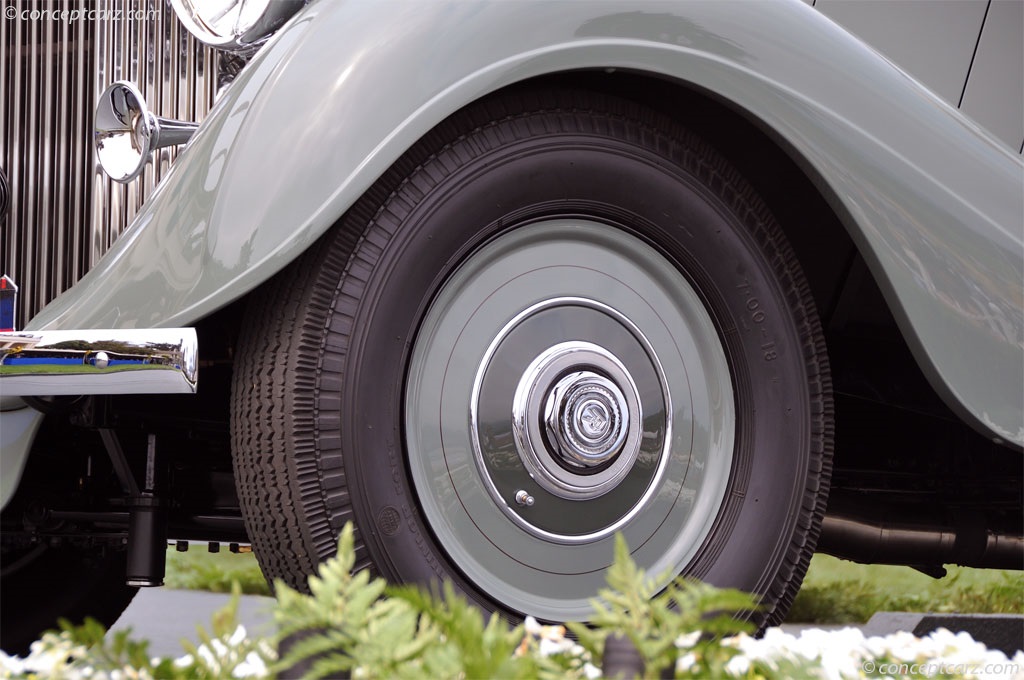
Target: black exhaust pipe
{"type": "Point", "coordinates": [911, 535]}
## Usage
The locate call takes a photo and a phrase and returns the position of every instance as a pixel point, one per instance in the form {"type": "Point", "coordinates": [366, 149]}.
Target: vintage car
{"type": "Point", "coordinates": [496, 281]}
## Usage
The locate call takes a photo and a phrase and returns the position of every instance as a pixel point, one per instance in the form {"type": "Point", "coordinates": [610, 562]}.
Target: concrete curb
{"type": "Point", "coordinates": [1004, 632]}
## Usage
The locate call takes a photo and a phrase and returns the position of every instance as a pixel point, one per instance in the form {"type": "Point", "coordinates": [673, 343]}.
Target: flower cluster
{"type": "Point", "coordinates": [64, 656]}
{"type": "Point", "coordinates": [551, 641]}
{"type": "Point", "coordinates": [831, 655]}
{"type": "Point", "coordinates": [846, 653]}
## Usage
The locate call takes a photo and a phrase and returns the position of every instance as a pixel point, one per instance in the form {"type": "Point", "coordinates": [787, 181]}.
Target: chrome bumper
{"type": "Point", "coordinates": [51, 363]}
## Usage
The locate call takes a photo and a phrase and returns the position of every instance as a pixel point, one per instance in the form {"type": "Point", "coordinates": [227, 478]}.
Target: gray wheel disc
{"type": "Point", "coordinates": [567, 384]}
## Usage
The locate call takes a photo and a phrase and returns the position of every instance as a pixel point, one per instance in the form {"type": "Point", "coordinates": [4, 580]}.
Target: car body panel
{"type": "Point", "coordinates": [932, 41]}
{"type": "Point", "coordinates": [969, 53]}
{"type": "Point", "coordinates": [18, 427]}
{"type": "Point", "coordinates": [334, 99]}
{"type": "Point", "coordinates": [994, 95]}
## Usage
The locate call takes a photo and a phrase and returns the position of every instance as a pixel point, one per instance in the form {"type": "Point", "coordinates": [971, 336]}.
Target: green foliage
{"type": "Point", "coordinates": [345, 626]}
{"type": "Point", "coordinates": [464, 646]}
{"type": "Point", "coordinates": [654, 622]}
{"type": "Point", "coordinates": [120, 651]}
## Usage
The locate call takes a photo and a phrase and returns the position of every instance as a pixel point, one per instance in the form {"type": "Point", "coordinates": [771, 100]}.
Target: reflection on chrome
{"type": "Point", "coordinates": [126, 132]}
{"type": "Point", "coordinates": [51, 363]}
{"type": "Point", "coordinates": [235, 24]}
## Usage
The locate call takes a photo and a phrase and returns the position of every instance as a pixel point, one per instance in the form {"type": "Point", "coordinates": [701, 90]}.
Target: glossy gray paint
{"type": "Point", "coordinates": [994, 96]}
{"type": "Point", "coordinates": [932, 201]}
{"type": "Point", "coordinates": [18, 426]}
{"type": "Point", "coordinates": [969, 52]}
{"type": "Point", "coordinates": [932, 41]}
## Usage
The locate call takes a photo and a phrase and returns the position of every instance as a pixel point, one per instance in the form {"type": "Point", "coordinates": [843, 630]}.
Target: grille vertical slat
{"type": "Point", "coordinates": [61, 141]}
{"type": "Point", "coordinates": [32, 166]}
{"type": "Point", "coordinates": [64, 213]}
{"type": "Point", "coordinates": [77, 181]}
{"type": "Point", "coordinates": [53, 257]}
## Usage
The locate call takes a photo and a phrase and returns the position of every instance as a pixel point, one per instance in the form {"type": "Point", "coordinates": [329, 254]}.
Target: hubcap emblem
{"type": "Point", "coordinates": [586, 418]}
{"type": "Point", "coordinates": [594, 420]}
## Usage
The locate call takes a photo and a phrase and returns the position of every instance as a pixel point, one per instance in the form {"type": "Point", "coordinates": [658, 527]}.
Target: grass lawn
{"type": "Point", "coordinates": [835, 591]}
{"type": "Point", "coordinates": [198, 569]}
{"type": "Point", "coordinates": [78, 369]}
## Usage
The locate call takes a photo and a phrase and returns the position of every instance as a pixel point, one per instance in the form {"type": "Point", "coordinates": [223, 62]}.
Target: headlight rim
{"type": "Point", "coordinates": [274, 15]}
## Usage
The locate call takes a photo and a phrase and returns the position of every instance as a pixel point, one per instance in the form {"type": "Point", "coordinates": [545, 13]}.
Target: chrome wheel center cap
{"type": "Point", "coordinates": [586, 418]}
{"type": "Point", "coordinates": [576, 419]}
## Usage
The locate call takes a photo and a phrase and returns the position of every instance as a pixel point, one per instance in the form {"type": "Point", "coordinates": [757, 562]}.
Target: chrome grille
{"type": "Point", "coordinates": [64, 213]}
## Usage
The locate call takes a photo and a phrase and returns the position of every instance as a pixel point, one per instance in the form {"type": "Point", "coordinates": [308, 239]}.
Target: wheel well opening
{"type": "Point", "coordinates": [821, 243]}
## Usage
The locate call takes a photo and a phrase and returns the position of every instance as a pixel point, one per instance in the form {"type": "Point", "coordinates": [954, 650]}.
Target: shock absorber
{"type": "Point", "coordinates": [147, 529]}
{"type": "Point", "coordinates": [147, 517]}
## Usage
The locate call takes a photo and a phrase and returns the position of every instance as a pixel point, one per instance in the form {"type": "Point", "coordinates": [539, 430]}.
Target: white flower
{"type": "Point", "coordinates": [11, 664]}
{"type": "Point", "coordinates": [208, 657]}
{"type": "Point", "coordinates": [876, 647]}
{"type": "Point", "coordinates": [238, 636]}
{"type": "Point", "coordinates": [685, 663]}
{"type": "Point", "coordinates": [183, 661]}
{"type": "Point", "coordinates": [903, 646]}
{"type": "Point", "coordinates": [688, 640]}
{"type": "Point", "coordinates": [738, 665]}
{"type": "Point", "coordinates": [251, 667]}
{"type": "Point", "coordinates": [549, 647]}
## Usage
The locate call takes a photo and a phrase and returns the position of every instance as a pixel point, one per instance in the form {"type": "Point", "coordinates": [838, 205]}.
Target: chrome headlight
{"type": "Point", "coordinates": [126, 132]}
{"type": "Point", "coordinates": [234, 24]}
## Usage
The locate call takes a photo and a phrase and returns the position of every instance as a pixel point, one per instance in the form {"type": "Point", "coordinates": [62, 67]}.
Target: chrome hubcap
{"type": "Point", "coordinates": [577, 422]}
{"type": "Point", "coordinates": [576, 416]}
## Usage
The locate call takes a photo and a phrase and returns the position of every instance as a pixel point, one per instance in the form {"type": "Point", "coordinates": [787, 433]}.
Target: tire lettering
{"type": "Point", "coordinates": [758, 316]}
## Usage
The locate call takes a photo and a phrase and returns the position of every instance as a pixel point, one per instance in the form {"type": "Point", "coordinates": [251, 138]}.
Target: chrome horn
{"type": "Point", "coordinates": [126, 131]}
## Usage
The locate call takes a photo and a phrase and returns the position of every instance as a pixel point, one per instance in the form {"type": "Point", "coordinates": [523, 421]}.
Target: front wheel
{"type": "Point", "coordinates": [559, 317]}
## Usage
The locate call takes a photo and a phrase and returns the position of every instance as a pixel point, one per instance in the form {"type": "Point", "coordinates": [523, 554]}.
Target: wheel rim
{"type": "Point", "coordinates": [567, 384]}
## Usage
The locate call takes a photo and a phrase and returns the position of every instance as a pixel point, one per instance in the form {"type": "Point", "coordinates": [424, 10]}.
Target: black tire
{"type": "Point", "coordinates": [41, 585]}
{"type": "Point", "coordinates": [334, 346]}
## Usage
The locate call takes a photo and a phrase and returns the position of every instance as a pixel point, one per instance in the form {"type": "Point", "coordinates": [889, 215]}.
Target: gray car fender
{"type": "Point", "coordinates": [931, 200]}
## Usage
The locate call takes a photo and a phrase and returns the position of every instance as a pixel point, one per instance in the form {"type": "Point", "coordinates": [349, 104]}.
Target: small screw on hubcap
{"type": "Point", "coordinates": [523, 498]}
